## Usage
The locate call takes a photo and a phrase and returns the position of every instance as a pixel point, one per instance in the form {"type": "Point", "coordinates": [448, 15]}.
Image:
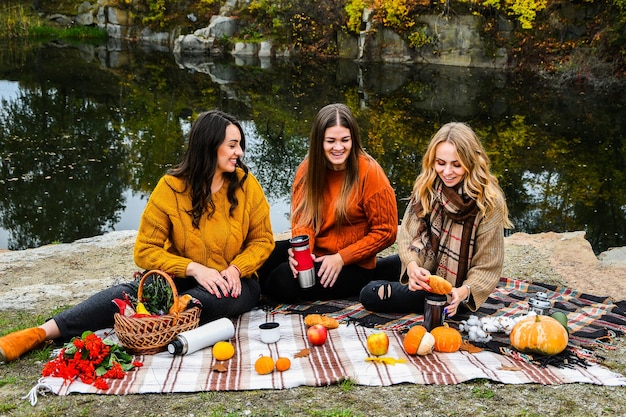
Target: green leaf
{"type": "Point", "coordinates": [101, 370]}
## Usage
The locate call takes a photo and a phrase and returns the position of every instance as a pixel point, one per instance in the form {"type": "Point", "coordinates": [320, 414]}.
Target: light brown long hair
{"type": "Point", "coordinates": [309, 211]}
{"type": "Point", "coordinates": [479, 184]}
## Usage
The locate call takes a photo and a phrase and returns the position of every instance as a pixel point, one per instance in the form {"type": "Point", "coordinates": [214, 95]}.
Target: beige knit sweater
{"type": "Point", "coordinates": [485, 267]}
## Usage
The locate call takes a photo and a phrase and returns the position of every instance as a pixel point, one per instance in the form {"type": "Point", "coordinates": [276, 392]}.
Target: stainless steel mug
{"type": "Point", "coordinates": [302, 254]}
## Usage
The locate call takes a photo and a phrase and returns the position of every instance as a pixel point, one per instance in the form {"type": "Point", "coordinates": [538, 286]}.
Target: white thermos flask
{"type": "Point", "coordinates": [203, 336]}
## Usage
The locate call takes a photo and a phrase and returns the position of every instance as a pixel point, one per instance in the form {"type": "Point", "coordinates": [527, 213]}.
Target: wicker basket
{"type": "Point", "coordinates": [149, 335]}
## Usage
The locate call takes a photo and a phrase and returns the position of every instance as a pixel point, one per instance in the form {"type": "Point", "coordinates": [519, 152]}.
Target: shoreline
{"type": "Point", "coordinates": [63, 274]}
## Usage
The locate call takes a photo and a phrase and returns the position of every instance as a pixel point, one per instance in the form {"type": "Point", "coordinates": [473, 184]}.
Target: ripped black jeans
{"type": "Point", "coordinates": [391, 296]}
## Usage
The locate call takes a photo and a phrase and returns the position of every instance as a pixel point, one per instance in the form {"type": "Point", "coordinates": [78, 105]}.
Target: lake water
{"type": "Point", "coordinates": [87, 130]}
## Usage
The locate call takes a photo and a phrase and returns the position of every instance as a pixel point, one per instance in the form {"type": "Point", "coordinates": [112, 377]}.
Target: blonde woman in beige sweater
{"type": "Point", "coordinates": [453, 227]}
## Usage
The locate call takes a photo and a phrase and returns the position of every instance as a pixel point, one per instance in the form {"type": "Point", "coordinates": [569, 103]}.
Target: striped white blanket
{"type": "Point", "coordinates": [341, 357]}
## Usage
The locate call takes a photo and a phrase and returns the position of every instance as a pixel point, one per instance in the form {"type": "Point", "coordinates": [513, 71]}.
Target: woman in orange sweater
{"type": "Point", "coordinates": [343, 201]}
{"type": "Point", "coordinates": [206, 223]}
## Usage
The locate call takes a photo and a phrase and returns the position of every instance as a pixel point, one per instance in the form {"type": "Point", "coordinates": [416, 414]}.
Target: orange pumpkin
{"type": "Point", "coordinates": [539, 334]}
{"type": "Point", "coordinates": [413, 338]}
{"type": "Point", "coordinates": [264, 365]}
{"type": "Point", "coordinates": [447, 339]}
{"type": "Point", "coordinates": [282, 364]}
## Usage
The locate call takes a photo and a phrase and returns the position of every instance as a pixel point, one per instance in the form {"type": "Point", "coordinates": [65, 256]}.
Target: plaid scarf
{"type": "Point", "coordinates": [448, 231]}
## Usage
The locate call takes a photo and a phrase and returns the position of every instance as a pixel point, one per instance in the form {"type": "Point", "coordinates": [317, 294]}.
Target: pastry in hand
{"type": "Point", "coordinates": [439, 285]}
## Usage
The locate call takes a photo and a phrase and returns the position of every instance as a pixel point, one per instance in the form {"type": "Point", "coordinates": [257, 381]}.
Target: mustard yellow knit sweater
{"type": "Point", "coordinates": [167, 240]}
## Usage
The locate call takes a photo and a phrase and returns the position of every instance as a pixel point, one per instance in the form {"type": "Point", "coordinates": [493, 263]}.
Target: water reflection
{"type": "Point", "coordinates": [91, 126]}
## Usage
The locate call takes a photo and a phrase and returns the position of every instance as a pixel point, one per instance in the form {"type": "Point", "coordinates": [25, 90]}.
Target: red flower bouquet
{"type": "Point", "coordinates": [91, 359]}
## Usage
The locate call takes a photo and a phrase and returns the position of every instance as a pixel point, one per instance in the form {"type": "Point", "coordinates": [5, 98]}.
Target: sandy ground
{"type": "Point", "coordinates": [64, 274]}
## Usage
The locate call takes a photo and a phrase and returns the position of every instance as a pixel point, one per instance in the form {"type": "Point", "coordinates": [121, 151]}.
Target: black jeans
{"type": "Point", "coordinates": [278, 284]}
{"type": "Point", "coordinates": [97, 311]}
{"type": "Point", "coordinates": [390, 296]}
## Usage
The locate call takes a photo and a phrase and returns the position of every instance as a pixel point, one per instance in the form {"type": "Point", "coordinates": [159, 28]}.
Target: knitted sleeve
{"type": "Point", "coordinates": [406, 234]}
{"type": "Point", "coordinates": [486, 265]}
{"type": "Point", "coordinates": [259, 240]}
{"type": "Point", "coordinates": [380, 207]}
{"type": "Point", "coordinates": [155, 228]}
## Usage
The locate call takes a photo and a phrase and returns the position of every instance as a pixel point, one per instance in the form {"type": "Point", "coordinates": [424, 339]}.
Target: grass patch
{"type": "Point", "coordinates": [84, 32]}
{"type": "Point", "coordinates": [21, 21]}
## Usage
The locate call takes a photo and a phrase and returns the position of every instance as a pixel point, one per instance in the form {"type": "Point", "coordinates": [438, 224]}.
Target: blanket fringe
{"type": "Point", "coordinates": [39, 389]}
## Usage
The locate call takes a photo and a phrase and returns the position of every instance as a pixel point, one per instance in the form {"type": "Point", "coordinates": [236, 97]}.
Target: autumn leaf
{"type": "Point", "coordinates": [303, 353]}
{"type": "Point", "coordinates": [468, 347]}
{"type": "Point", "coordinates": [509, 368]}
{"type": "Point", "coordinates": [219, 367]}
{"type": "Point", "coordinates": [384, 359]}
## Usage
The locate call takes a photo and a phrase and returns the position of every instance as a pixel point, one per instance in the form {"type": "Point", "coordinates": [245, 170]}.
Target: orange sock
{"type": "Point", "coordinates": [15, 344]}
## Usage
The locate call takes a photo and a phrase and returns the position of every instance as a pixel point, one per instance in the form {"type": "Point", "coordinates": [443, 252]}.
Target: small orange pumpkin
{"type": "Point", "coordinates": [539, 334]}
{"type": "Point", "coordinates": [447, 339]}
{"type": "Point", "coordinates": [264, 365]}
{"type": "Point", "coordinates": [282, 364]}
{"type": "Point", "coordinates": [413, 338]}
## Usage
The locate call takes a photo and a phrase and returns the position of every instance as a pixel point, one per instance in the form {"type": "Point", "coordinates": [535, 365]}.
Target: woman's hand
{"type": "Point", "coordinates": [417, 277]}
{"type": "Point", "coordinates": [234, 280]}
{"type": "Point", "coordinates": [330, 269]}
{"type": "Point", "coordinates": [458, 295]}
{"type": "Point", "coordinates": [292, 263]}
{"type": "Point", "coordinates": [210, 279]}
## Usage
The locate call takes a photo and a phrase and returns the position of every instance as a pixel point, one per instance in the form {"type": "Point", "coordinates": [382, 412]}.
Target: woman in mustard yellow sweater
{"type": "Point", "coordinates": [206, 223]}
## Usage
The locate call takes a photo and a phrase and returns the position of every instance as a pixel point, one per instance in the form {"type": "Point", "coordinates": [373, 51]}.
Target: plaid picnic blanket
{"type": "Point", "coordinates": [344, 355]}
{"type": "Point", "coordinates": [594, 321]}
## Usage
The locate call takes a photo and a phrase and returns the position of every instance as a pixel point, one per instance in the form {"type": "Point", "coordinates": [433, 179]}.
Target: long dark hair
{"type": "Point", "coordinates": [310, 208]}
{"type": "Point", "coordinates": [200, 162]}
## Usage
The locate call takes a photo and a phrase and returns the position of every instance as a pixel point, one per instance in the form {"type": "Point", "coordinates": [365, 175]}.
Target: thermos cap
{"type": "Point", "coordinates": [175, 347]}
{"type": "Point", "coordinates": [436, 298]}
{"type": "Point", "coordinates": [301, 240]}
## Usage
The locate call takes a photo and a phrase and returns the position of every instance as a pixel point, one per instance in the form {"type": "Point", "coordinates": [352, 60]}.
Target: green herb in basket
{"type": "Point", "coordinates": [157, 295]}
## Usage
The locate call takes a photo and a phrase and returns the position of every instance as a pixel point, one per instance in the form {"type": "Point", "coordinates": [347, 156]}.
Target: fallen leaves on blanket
{"type": "Point", "coordinates": [219, 367]}
{"type": "Point", "coordinates": [468, 347]}
{"type": "Point", "coordinates": [384, 359]}
{"type": "Point", "coordinates": [303, 353]}
{"type": "Point", "coordinates": [509, 368]}
{"type": "Point", "coordinates": [323, 319]}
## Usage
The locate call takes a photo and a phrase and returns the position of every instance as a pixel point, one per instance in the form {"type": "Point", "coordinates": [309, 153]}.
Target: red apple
{"type": "Point", "coordinates": [378, 343]}
{"type": "Point", "coordinates": [317, 334]}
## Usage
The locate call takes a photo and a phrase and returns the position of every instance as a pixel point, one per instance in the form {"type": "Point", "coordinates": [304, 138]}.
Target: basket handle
{"type": "Point", "coordinates": [162, 274]}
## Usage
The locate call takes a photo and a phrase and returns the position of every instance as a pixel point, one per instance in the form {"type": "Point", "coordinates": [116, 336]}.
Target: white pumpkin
{"type": "Point", "coordinates": [426, 345]}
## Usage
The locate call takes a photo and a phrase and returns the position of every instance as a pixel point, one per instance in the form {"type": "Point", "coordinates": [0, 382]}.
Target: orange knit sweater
{"type": "Point", "coordinates": [373, 215]}
{"type": "Point", "coordinates": [167, 240]}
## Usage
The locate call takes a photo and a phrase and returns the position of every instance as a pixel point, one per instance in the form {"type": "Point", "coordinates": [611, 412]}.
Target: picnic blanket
{"type": "Point", "coordinates": [344, 354]}
{"type": "Point", "coordinates": [594, 321]}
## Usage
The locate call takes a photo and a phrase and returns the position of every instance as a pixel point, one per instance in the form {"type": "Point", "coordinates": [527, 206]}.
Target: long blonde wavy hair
{"type": "Point", "coordinates": [479, 184]}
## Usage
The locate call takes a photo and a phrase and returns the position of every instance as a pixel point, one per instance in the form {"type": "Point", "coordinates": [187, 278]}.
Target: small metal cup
{"type": "Point", "coordinates": [433, 311]}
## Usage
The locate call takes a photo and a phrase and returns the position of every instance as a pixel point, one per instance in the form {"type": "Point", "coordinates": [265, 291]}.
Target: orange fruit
{"type": "Point", "coordinates": [264, 365]}
{"type": "Point", "coordinates": [222, 351]}
{"type": "Point", "coordinates": [282, 364]}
